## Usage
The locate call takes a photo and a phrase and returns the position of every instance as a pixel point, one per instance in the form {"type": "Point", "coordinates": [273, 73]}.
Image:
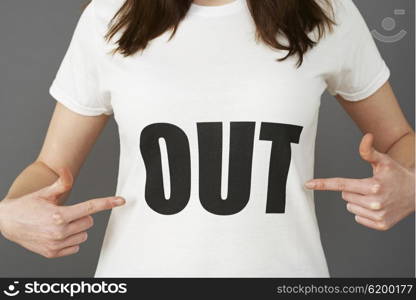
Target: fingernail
{"type": "Point", "coordinates": [310, 184]}
{"type": "Point", "coordinates": [119, 201]}
{"type": "Point", "coordinates": [375, 205]}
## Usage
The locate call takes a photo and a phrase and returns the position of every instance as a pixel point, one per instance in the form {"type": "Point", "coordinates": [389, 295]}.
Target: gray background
{"type": "Point", "coordinates": [34, 38]}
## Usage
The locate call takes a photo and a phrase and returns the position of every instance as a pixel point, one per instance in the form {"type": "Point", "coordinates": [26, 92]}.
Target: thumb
{"type": "Point", "coordinates": [367, 150]}
{"type": "Point", "coordinates": [59, 187]}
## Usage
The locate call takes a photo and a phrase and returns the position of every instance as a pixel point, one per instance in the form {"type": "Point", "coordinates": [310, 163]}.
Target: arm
{"type": "Point", "coordinates": [380, 201]}
{"type": "Point", "coordinates": [31, 214]}
{"type": "Point", "coordinates": [64, 146]}
{"type": "Point", "coordinates": [381, 115]}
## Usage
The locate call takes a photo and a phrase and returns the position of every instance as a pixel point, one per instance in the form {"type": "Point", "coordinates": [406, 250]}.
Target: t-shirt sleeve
{"type": "Point", "coordinates": [77, 83]}
{"type": "Point", "coordinates": [359, 70]}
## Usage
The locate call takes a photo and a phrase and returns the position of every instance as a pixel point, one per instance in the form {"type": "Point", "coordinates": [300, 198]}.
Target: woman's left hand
{"type": "Point", "coordinates": [380, 201]}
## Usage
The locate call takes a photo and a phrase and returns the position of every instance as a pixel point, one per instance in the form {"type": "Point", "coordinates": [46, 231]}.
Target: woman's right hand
{"type": "Point", "coordinates": [38, 223]}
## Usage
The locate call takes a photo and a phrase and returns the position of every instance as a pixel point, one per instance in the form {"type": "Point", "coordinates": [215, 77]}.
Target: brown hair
{"type": "Point", "coordinates": [140, 21]}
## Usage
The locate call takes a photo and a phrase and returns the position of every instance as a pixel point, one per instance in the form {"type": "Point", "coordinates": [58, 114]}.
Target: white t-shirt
{"type": "Point", "coordinates": [216, 140]}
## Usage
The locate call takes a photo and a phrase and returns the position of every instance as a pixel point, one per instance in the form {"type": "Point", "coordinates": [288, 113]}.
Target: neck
{"type": "Point", "coordinates": [212, 2]}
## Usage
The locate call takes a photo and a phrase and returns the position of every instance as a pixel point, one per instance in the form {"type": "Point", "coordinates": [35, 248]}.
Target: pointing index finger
{"type": "Point", "coordinates": [89, 207]}
{"type": "Point", "coordinates": [360, 186]}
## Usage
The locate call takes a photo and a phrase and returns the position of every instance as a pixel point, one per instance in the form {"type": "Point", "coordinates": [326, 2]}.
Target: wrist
{"type": "Point", "coordinates": [1, 214]}
{"type": "Point", "coordinates": [413, 199]}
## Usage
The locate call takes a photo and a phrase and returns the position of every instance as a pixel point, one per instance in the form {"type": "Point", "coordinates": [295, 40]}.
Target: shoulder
{"type": "Point", "coordinates": [346, 13]}
{"type": "Point", "coordinates": [105, 9]}
{"type": "Point", "coordinates": [349, 22]}
{"type": "Point", "coordinates": [102, 11]}
{"type": "Point", "coordinates": [94, 23]}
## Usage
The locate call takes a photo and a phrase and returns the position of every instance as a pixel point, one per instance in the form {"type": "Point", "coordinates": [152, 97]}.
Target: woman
{"type": "Point", "coordinates": [217, 104]}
